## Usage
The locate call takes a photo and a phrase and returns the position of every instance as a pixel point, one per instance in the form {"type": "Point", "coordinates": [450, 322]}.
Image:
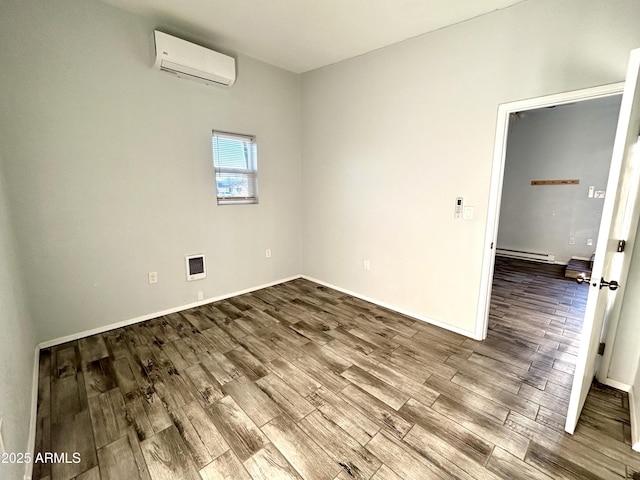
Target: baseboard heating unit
{"type": "Point", "coordinates": [534, 257]}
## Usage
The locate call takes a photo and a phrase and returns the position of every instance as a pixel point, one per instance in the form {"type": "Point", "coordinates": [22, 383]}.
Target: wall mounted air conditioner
{"type": "Point", "coordinates": [188, 60]}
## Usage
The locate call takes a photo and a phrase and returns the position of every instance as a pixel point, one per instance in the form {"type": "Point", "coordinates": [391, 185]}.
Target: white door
{"type": "Point", "coordinates": [619, 222]}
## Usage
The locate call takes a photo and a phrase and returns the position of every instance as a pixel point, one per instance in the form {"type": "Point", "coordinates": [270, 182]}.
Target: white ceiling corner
{"type": "Point", "coordinates": [302, 35]}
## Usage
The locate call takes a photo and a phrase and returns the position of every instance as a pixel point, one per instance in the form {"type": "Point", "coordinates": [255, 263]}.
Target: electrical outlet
{"type": "Point", "coordinates": [200, 295]}
{"type": "Point", "coordinates": [572, 240]}
{"type": "Point", "coordinates": [589, 241]}
{"type": "Point", "coordinates": [366, 264]}
{"type": "Point", "coordinates": [267, 253]}
{"type": "Point", "coordinates": [153, 278]}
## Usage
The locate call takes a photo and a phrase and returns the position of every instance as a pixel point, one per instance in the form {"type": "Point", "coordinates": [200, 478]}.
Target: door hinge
{"type": "Point", "coordinates": [601, 348]}
{"type": "Point", "coordinates": [621, 245]}
{"type": "Point", "coordinates": [491, 248]}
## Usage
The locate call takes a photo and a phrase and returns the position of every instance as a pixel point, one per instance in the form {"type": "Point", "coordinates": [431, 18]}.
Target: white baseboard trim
{"type": "Point", "coordinates": [617, 385]}
{"type": "Point", "coordinates": [394, 308]}
{"type": "Point", "coordinates": [142, 318]}
{"type": "Point", "coordinates": [31, 442]}
{"type": "Point", "coordinates": [634, 410]}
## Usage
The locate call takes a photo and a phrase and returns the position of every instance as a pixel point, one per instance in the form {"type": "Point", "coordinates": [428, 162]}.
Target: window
{"type": "Point", "coordinates": [234, 159]}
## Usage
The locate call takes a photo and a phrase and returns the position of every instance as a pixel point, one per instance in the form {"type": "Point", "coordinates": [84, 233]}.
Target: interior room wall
{"type": "Point", "coordinates": [391, 138]}
{"type": "Point", "coordinates": [17, 344]}
{"type": "Point", "coordinates": [109, 168]}
{"type": "Point", "coordinates": [636, 409]}
{"type": "Point", "coordinates": [626, 354]}
{"type": "Point", "coordinates": [572, 141]}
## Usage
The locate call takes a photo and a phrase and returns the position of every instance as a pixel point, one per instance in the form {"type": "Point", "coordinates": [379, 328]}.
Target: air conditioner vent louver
{"type": "Point", "coordinates": [188, 60]}
{"type": "Point", "coordinates": [198, 77]}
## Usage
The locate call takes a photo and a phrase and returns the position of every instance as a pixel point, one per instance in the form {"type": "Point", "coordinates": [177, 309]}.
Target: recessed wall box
{"type": "Point", "coordinates": [196, 267]}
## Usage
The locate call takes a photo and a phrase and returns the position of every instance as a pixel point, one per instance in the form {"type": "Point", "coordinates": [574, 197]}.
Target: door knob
{"type": "Point", "coordinates": [582, 278]}
{"type": "Point", "coordinates": [613, 285]}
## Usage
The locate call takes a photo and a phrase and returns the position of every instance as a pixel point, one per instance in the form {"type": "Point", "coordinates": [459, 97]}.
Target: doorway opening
{"type": "Point", "coordinates": [555, 177]}
{"type": "Point", "coordinates": [506, 113]}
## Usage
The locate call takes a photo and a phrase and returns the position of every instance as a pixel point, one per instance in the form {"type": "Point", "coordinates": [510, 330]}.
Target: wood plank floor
{"type": "Point", "coordinates": [298, 381]}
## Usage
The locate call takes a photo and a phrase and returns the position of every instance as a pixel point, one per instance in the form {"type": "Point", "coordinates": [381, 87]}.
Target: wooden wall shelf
{"type": "Point", "coordinates": [555, 182]}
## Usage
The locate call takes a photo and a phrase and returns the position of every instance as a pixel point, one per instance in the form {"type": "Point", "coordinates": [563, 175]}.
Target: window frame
{"type": "Point", "coordinates": [251, 173]}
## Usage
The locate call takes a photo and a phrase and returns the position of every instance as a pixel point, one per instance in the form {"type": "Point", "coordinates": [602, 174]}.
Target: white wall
{"type": "Point", "coordinates": [572, 141]}
{"type": "Point", "coordinates": [626, 354]}
{"type": "Point", "coordinates": [635, 410]}
{"type": "Point", "coordinates": [17, 345]}
{"type": "Point", "coordinates": [391, 138]}
{"type": "Point", "coordinates": [109, 169]}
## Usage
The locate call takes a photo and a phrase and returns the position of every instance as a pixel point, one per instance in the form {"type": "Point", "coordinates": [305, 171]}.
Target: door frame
{"type": "Point", "coordinates": [497, 177]}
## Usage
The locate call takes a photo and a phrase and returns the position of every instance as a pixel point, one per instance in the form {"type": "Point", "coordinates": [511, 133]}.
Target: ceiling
{"type": "Point", "coordinates": [302, 35]}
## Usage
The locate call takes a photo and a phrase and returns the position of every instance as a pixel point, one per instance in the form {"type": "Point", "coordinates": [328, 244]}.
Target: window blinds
{"type": "Point", "coordinates": [235, 162]}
